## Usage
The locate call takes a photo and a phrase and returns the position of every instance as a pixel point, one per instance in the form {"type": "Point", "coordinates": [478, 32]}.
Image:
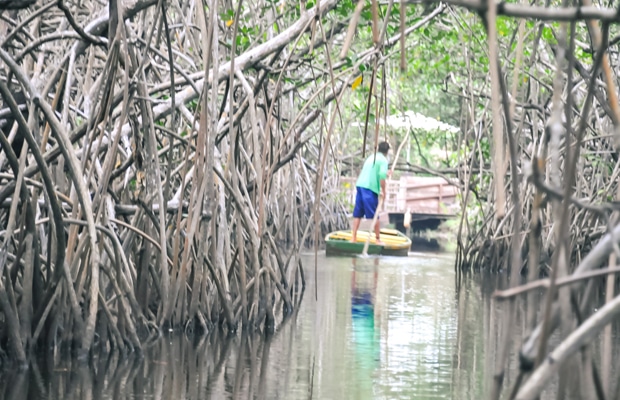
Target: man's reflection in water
{"type": "Point", "coordinates": [365, 329]}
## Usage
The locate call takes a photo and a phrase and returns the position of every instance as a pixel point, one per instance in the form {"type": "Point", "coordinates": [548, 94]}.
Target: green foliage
{"type": "Point", "coordinates": [548, 35]}
{"type": "Point", "coordinates": [433, 54]}
{"type": "Point", "coordinates": [192, 105]}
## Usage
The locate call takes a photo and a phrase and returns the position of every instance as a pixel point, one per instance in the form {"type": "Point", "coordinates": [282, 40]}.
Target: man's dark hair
{"type": "Point", "coordinates": [384, 147]}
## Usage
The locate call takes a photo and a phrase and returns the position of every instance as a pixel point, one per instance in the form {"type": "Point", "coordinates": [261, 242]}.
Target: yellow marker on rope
{"type": "Point", "coordinates": [357, 82]}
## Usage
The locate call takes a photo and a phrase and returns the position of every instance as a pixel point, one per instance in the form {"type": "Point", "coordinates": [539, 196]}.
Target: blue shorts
{"type": "Point", "coordinates": [366, 202]}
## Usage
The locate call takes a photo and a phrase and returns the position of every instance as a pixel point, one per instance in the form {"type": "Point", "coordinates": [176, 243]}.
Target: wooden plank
{"type": "Point", "coordinates": [427, 195]}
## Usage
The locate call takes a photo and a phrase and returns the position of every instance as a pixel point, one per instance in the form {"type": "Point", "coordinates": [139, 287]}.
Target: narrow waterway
{"type": "Point", "coordinates": [379, 328]}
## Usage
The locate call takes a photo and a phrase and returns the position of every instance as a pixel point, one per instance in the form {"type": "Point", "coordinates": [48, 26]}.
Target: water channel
{"type": "Point", "coordinates": [379, 328]}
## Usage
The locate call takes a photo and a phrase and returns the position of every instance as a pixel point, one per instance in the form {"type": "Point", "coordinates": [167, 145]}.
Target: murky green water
{"type": "Point", "coordinates": [381, 328]}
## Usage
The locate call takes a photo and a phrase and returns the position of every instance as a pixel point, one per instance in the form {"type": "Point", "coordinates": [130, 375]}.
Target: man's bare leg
{"type": "Point", "coordinates": [356, 226]}
{"type": "Point", "coordinates": [378, 232]}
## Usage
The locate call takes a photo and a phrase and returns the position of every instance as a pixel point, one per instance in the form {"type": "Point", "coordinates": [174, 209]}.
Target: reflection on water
{"type": "Point", "coordinates": [365, 339]}
{"type": "Point", "coordinates": [381, 328]}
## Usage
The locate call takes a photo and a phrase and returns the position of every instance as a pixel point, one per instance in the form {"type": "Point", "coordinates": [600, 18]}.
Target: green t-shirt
{"type": "Point", "coordinates": [375, 169]}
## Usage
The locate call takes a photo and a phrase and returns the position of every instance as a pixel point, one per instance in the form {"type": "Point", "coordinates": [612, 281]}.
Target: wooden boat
{"type": "Point", "coordinates": [394, 243]}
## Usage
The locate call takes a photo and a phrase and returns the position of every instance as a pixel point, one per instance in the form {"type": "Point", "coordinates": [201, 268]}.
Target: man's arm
{"type": "Point", "coordinates": [383, 171]}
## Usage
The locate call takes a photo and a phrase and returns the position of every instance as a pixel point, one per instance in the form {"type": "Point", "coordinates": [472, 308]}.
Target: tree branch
{"type": "Point", "coordinates": [542, 13]}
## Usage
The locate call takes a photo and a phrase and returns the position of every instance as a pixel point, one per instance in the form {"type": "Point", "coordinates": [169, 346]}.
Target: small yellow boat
{"type": "Point", "coordinates": [394, 243]}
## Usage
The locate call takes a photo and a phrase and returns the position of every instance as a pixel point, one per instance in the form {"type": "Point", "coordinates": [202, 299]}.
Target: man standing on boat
{"type": "Point", "coordinates": [370, 185]}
